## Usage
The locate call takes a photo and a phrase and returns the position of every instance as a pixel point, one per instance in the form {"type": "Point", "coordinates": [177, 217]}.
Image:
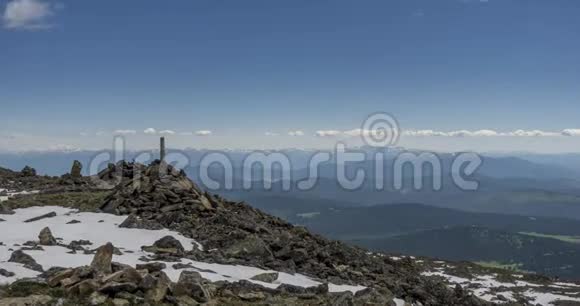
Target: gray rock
{"type": "Point", "coordinates": [45, 216]}
{"type": "Point", "coordinates": [252, 246]}
{"type": "Point", "coordinates": [25, 259]}
{"type": "Point", "coordinates": [160, 288]}
{"type": "Point", "coordinates": [151, 267]}
{"type": "Point", "coordinates": [46, 237]}
{"type": "Point", "coordinates": [6, 273]}
{"type": "Point", "coordinates": [190, 284]}
{"type": "Point", "coordinates": [5, 210]}
{"type": "Point", "coordinates": [102, 261]}
{"type": "Point", "coordinates": [168, 242]}
{"type": "Point", "coordinates": [113, 287]}
{"type": "Point", "coordinates": [27, 301]}
{"type": "Point", "coordinates": [266, 277]}
{"type": "Point", "coordinates": [135, 222]}
{"type": "Point", "coordinates": [76, 170]}
{"type": "Point", "coordinates": [97, 298]}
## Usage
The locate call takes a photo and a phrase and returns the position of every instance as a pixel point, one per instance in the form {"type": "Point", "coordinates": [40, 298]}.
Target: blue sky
{"type": "Point", "coordinates": [73, 72]}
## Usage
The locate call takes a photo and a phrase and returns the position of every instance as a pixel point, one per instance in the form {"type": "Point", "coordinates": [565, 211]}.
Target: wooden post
{"type": "Point", "coordinates": [162, 149]}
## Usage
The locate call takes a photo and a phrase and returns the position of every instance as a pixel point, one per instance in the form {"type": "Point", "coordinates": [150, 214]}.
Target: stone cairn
{"type": "Point", "coordinates": [28, 171]}
{"type": "Point", "coordinates": [153, 192]}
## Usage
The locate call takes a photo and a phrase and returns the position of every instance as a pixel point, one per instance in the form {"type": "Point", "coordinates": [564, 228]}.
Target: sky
{"type": "Point", "coordinates": [494, 75]}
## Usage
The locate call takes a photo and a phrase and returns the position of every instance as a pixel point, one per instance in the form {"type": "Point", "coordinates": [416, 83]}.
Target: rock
{"type": "Point", "coordinates": [128, 275]}
{"type": "Point", "coordinates": [160, 288]}
{"type": "Point", "coordinates": [185, 300]}
{"type": "Point", "coordinates": [73, 222]}
{"type": "Point", "coordinates": [148, 282]}
{"type": "Point", "coordinates": [5, 210]}
{"type": "Point", "coordinates": [252, 296]}
{"type": "Point", "coordinates": [373, 296]}
{"type": "Point", "coordinates": [151, 267]}
{"type": "Point", "coordinates": [252, 246]}
{"type": "Point", "coordinates": [168, 242]}
{"type": "Point", "coordinates": [84, 288]}
{"type": "Point", "coordinates": [36, 300]}
{"type": "Point", "coordinates": [121, 302]}
{"type": "Point", "coordinates": [77, 245]}
{"type": "Point", "coordinates": [25, 259]}
{"type": "Point", "coordinates": [6, 273]}
{"type": "Point", "coordinates": [180, 266]}
{"type": "Point", "coordinates": [97, 298]}
{"type": "Point", "coordinates": [266, 277]}
{"type": "Point", "coordinates": [113, 287]}
{"type": "Point", "coordinates": [190, 284]}
{"type": "Point", "coordinates": [55, 280]}
{"type": "Point", "coordinates": [45, 216]}
{"type": "Point", "coordinates": [102, 261]}
{"type": "Point", "coordinates": [46, 237]}
{"type": "Point", "coordinates": [135, 222]}
{"type": "Point", "coordinates": [76, 170]}
{"type": "Point", "coordinates": [28, 171]}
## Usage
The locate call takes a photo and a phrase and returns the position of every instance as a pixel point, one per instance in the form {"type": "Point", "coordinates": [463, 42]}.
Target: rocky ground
{"type": "Point", "coordinates": [212, 250]}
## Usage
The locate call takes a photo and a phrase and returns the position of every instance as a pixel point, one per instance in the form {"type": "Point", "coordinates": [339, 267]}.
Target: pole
{"type": "Point", "coordinates": [162, 149]}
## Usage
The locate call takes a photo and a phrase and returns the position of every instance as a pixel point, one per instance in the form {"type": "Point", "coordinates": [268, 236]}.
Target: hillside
{"type": "Point", "coordinates": [211, 231]}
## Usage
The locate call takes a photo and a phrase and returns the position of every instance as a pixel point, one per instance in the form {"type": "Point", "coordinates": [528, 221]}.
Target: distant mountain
{"type": "Point", "coordinates": [494, 166]}
{"type": "Point", "coordinates": [523, 252]}
{"type": "Point", "coordinates": [544, 245]}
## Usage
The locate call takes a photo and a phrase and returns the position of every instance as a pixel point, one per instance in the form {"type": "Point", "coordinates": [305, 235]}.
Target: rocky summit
{"type": "Point", "coordinates": [208, 250]}
{"type": "Point", "coordinates": [236, 233]}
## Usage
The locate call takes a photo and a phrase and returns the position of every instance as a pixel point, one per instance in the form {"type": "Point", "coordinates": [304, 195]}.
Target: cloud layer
{"type": "Point", "coordinates": [457, 133]}
{"type": "Point", "coordinates": [27, 14]}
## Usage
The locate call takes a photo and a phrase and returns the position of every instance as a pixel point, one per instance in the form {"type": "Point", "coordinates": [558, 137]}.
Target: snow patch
{"type": "Point", "coordinates": [100, 228]}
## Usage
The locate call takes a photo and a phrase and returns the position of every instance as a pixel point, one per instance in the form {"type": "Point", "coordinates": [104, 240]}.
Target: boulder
{"type": "Point", "coordinates": [190, 284]}
{"type": "Point", "coordinates": [46, 237]}
{"type": "Point", "coordinates": [266, 277]}
{"type": "Point", "coordinates": [113, 288]}
{"type": "Point", "coordinates": [55, 280]}
{"type": "Point", "coordinates": [5, 210]}
{"type": "Point", "coordinates": [102, 261]}
{"type": "Point", "coordinates": [128, 275]}
{"type": "Point", "coordinates": [373, 296]}
{"type": "Point", "coordinates": [151, 266]}
{"type": "Point", "coordinates": [6, 273]}
{"type": "Point", "coordinates": [135, 222]}
{"type": "Point", "coordinates": [25, 259]}
{"type": "Point", "coordinates": [97, 298]}
{"type": "Point", "coordinates": [76, 170]}
{"type": "Point", "coordinates": [252, 246]}
{"type": "Point", "coordinates": [160, 288]}
{"type": "Point", "coordinates": [37, 300]}
{"type": "Point", "coordinates": [168, 242]}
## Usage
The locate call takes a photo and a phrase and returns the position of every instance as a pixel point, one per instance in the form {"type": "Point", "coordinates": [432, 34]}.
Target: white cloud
{"type": "Point", "coordinates": [150, 131]}
{"type": "Point", "coordinates": [481, 133]}
{"type": "Point", "coordinates": [167, 132]}
{"type": "Point", "coordinates": [125, 132]}
{"type": "Point", "coordinates": [296, 133]}
{"type": "Point", "coordinates": [533, 133]}
{"type": "Point", "coordinates": [186, 133]}
{"type": "Point", "coordinates": [27, 14]}
{"type": "Point", "coordinates": [571, 132]}
{"type": "Point", "coordinates": [271, 134]}
{"type": "Point", "coordinates": [203, 133]}
{"type": "Point", "coordinates": [328, 133]}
